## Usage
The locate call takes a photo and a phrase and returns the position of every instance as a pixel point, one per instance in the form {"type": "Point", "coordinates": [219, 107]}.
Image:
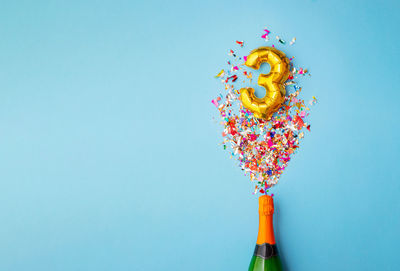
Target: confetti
{"type": "Point", "coordinates": [220, 74]}
{"type": "Point", "coordinates": [232, 53]}
{"type": "Point", "coordinates": [292, 41]}
{"type": "Point", "coordinates": [263, 148]}
{"type": "Point", "coordinates": [265, 36]}
{"type": "Point", "coordinates": [241, 43]}
{"type": "Point", "coordinates": [280, 40]}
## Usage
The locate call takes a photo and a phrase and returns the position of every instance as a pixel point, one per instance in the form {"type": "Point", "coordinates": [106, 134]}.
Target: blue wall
{"type": "Point", "coordinates": [109, 159]}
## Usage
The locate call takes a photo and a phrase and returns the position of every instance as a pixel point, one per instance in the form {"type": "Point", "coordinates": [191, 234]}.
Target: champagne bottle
{"type": "Point", "coordinates": [265, 254]}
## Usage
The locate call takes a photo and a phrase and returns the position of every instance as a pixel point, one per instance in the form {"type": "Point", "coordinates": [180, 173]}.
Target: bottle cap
{"type": "Point", "coordinates": [266, 205]}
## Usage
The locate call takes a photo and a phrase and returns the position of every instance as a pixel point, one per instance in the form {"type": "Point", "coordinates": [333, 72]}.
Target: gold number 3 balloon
{"type": "Point", "coordinates": [272, 82]}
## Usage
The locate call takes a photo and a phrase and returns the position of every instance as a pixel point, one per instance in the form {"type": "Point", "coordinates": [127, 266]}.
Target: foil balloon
{"type": "Point", "coordinates": [273, 82]}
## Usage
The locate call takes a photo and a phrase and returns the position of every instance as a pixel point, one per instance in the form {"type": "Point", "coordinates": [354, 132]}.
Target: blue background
{"type": "Point", "coordinates": [109, 158]}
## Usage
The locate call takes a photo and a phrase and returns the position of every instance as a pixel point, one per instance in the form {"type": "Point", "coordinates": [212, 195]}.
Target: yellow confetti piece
{"type": "Point", "coordinates": [221, 73]}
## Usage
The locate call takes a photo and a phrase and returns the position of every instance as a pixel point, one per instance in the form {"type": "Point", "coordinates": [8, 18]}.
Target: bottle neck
{"type": "Point", "coordinates": [265, 230]}
{"type": "Point", "coordinates": [266, 226]}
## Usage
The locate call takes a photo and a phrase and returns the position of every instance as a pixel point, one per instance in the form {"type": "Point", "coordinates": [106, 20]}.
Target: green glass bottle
{"type": "Point", "coordinates": [265, 256]}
